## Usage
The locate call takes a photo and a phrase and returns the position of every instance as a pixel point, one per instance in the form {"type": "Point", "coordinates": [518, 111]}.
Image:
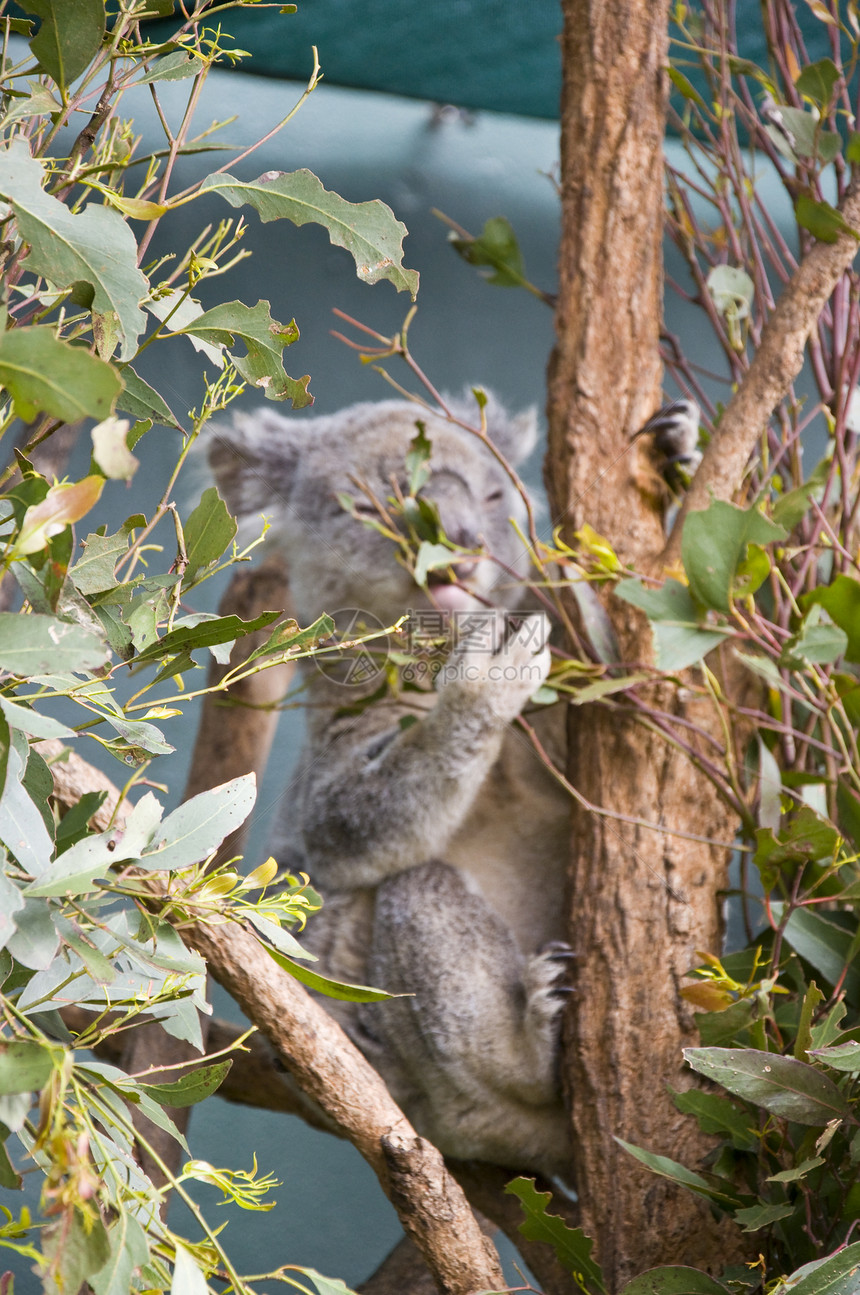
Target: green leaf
{"type": "Point", "coordinates": [686, 87]}
{"type": "Point", "coordinates": [671, 1169]}
{"type": "Point", "coordinates": [572, 1247]}
{"type": "Point", "coordinates": [206, 633]}
{"type": "Point", "coordinates": [95, 247]}
{"type": "Point", "coordinates": [35, 644]}
{"type": "Point", "coordinates": [821, 219]}
{"type": "Point", "coordinates": [817, 81]}
{"type": "Point", "coordinates": [431, 557]}
{"type": "Point", "coordinates": [760, 1216]}
{"type": "Point", "coordinates": [44, 374]}
{"type": "Point", "coordinates": [837, 1275]}
{"type": "Point", "coordinates": [10, 1179]}
{"type": "Point", "coordinates": [31, 722]}
{"type": "Point", "coordinates": [496, 247]}
{"type": "Point", "coordinates": [196, 829]}
{"type": "Point", "coordinates": [129, 1248]}
{"type": "Point", "coordinates": [824, 944]}
{"type": "Point", "coordinates": [783, 1085]}
{"type": "Point", "coordinates": [368, 230]}
{"type": "Point", "coordinates": [325, 1285]}
{"type": "Point", "coordinates": [788, 509]}
{"type": "Point", "coordinates": [718, 1115]}
{"type": "Point", "coordinates": [93, 573]}
{"type": "Point", "coordinates": [25, 1065]}
{"type": "Point", "coordinates": [813, 644]}
{"type": "Point", "coordinates": [139, 733]}
{"type": "Point", "coordinates": [75, 1249]}
{"type": "Point", "coordinates": [69, 36]}
{"type": "Point", "coordinates": [679, 640]}
{"type": "Point", "coordinates": [191, 1088]}
{"type": "Point", "coordinates": [842, 1056]}
{"type": "Point", "coordinates": [795, 1174]}
{"type": "Point", "coordinates": [331, 988]}
{"type": "Point", "coordinates": [172, 67]}
{"type": "Point", "coordinates": [674, 1281]}
{"type": "Point", "coordinates": [141, 400]}
{"type": "Point", "coordinates": [264, 339]}
{"type": "Point", "coordinates": [208, 531]}
{"type": "Point", "coordinates": [806, 838]}
{"type": "Point", "coordinates": [288, 637]}
{"type": "Point", "coordinates": [841, 601]}
{"type": "Point", "coordinates": [714, 544]}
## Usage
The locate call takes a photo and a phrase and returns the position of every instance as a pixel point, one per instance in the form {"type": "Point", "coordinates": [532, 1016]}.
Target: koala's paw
{"type": "Point", "coordinates": [500, 661]}
{"type": "Point", "coordinates": [547, 985]}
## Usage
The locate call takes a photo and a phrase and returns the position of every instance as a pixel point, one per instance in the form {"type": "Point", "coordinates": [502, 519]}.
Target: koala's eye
{"type": "Point", "coordinates": [364, 508]}
{"type": "Point", "coordinates": [495, 496]}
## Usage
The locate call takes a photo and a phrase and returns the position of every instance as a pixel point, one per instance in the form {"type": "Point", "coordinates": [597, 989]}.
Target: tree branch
{"type": "Point", "coordinates": [774, 366]}
{"type": "Point", "coordinates": [330, 1069]}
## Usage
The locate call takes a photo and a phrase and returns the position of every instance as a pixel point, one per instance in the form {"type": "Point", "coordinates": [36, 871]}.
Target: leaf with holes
{"type": "Point", "coordinates": [368, 230]}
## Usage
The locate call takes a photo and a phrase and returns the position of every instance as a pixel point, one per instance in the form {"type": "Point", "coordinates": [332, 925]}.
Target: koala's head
{"type": "Point", "coordinates": [296, 472]}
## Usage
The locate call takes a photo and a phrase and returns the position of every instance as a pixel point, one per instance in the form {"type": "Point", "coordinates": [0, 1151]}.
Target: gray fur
{"type": "Point", "coordinates": [439, 846]}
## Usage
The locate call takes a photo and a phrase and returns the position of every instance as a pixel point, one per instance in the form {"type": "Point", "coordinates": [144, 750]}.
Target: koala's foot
{"type": "Point", "coordinates": [499, 661]}
{"type": "Point", "coordinates": [547, 990]}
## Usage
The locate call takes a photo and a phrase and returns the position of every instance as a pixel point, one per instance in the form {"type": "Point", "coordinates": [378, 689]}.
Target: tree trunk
{"type": "Point", "coordinates": [642, 901]}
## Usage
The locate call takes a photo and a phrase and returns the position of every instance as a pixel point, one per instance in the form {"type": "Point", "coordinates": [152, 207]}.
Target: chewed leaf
{"type": "Point", "coordinates": [572, 1247]}
{"type": "Point", "coordinates": [368, 230]}
{"type": "Point", "coordinates": [264, 340]}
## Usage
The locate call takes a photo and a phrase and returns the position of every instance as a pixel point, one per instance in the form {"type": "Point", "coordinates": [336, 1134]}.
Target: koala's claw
{"type": "Point", "coordinates": [559, 951]}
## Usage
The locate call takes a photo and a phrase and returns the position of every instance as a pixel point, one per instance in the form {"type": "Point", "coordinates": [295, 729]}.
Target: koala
{"type": "Point", "coordinates": [434, 832]}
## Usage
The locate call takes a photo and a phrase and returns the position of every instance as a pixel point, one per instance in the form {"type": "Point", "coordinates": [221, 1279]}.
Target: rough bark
{"type": "Point", "coordinates": [329, 1068]}
{"type": "Point", "coordinates": [642, 902]}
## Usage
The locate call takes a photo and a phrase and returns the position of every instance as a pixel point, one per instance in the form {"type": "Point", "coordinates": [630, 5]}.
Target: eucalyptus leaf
{"type": "Point", "coordinates": [368, 230]}
{"type": "Point", "coordinates": [782, 1085]}
{"type": "Point", "coordinates": [129, 1248]}
{"type": "Point", "coordinates": [572, 1247]}
{"type": "Point", "coordinates": [671, 1169]}
{"type": "Point", "coordinates": [755, 1217]}
{"type": "Point", "coordinates": [208, 531]}
{"type": "Point", "coordinates": [264, 339]}
{"type": "Point", "coordinates": [196, 829]}
{"type": "Point", "coordinates": [675, 1280]}
{"type": "Point", "coordinates": [141, 400]}
{"type": "Point", "coordinates": [207, 633]}
{"type": "Point", "coordinates": [94, 247]}
{"type": "Point", "coordinates": [43, 373]}
{"type": "Point", "coordinates": [37, 644]}
{"type": "Point", "coordinates": [69, 35]}
{"type": "Point", "coordinates": [25, 1065]}
{"type": "Point", "coordinates": [714, 544]}
{"type": "Point", "coordinates": [495, 250]}
{"type": "Point", "coordinates": [191, 1088]}
{"type": "Point", "coordinates": [323, 985]}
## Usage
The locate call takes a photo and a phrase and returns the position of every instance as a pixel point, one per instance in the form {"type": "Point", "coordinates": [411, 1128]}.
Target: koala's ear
{"type": "Point", "coordinates": [254, 462]}
{"type": "Point", "coordinates": [514, 434]}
